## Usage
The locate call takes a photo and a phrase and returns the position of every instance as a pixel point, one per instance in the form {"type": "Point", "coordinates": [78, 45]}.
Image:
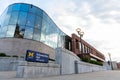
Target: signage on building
{"type": "Point", "coordinates": [34, 56]}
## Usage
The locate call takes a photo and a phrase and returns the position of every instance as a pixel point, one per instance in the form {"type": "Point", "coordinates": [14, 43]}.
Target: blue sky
{"type": "Point", "coordinates": [99, 19]}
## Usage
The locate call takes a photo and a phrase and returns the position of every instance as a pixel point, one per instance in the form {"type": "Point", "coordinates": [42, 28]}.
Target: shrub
{"type": "Point", "coordinates": [96, 62]}
{"type": "Point", "coordinates": [15, 56]}
{"type": "Point", "coordinates": [85, 59]}
{"type": "Point", "coordinates": [21, 56]}
{"type": "Point", "coordinates": [3, 55]}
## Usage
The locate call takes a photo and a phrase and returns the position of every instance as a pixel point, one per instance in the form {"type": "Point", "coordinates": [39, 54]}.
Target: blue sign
{"type": "Point", "coordinates": [34, 56]}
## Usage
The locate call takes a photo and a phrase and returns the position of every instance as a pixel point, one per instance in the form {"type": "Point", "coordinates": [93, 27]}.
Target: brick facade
{"type": "Point", "coordinates": [82, 48]}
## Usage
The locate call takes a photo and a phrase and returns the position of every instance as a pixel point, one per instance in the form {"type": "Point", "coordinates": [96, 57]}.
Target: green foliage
{"type": "Point", "coordinates": [15, 56]}
{"type": "Point", "coordinates": [85, 59]}
{"type": "Point", "coordinates": [96, 62]}
{"type": "Point", "coordinates": [3, 55]}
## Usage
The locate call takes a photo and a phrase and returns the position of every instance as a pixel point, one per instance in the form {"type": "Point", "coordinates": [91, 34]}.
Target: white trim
{"type": "Point", "coordinates": [97, 57]}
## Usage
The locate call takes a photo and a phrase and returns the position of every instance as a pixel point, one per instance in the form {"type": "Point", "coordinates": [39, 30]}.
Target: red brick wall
{"type": "Point", "coordinates": [76, 50]}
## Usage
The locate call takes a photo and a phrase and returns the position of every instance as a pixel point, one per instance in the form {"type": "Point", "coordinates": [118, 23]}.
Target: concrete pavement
{"type": "Point", "coordinates": [103, 75]}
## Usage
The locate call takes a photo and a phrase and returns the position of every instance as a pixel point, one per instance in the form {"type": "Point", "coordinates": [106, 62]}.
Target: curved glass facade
{"type": "Point", "coordinates": [27, 21]}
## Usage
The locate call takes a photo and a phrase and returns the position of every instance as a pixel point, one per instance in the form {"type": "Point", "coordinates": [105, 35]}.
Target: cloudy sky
{"type": "Point", "coordinates": [99, 19]}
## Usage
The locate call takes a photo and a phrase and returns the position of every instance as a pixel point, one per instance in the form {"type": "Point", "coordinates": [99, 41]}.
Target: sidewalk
{"type": "Point", "coordinates": [103, 75]}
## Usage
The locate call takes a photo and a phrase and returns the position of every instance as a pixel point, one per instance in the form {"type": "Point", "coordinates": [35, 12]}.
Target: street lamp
{"type": "Point", "coordinates": [110, 61]}
{"type": "Point", "coordinates": [80, 33]}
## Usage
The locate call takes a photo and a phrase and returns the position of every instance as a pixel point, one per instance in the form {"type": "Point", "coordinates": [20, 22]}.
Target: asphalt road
{"type": "Point", "coordinates": [103, 75]}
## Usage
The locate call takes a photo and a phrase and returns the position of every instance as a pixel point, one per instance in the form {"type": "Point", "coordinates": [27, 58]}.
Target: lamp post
{"type": "Point", "coordinates": [110, 61]}
{"type": "Point", "coordinates": [80, 33]}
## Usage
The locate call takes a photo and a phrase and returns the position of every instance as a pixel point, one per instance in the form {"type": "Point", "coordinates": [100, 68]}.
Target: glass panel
{"type": "Point", "coordinates": [28, 33]}
{"type": "Point", "coordinates": [32, 9]}
{"type": "Point", "coordinates": [22, 18]}
{"type": "Point", "coordinates": [19, 31]}
{"type": "Point", "coordinates": [3, 31]}
{"type": "Point", "coordinates": [10, 8]}
{"type": "Point", "coordinates": [43, 31]}
{"type": "Point", "coordinates": [10, 31]}
{"type": "Point", "coordinates": [30, 20]}
{"type": "Point", "coordinates": [36, 35]}
{"type": "Point", "coordinates": [16, 7]}
{"type": "Point", "coordinates": [61, 39]}
{"type": "Point", "coordinates": [14, 17]}
{"type": "Point", "coordinates": [39, 12]}
{"type": "Point", "coordinates": [38, 22]}
{"type": "Point", "coordinates": [0, 28]}
{"type": "Point", "coordinates": [7, 18]}
{"type": "Point", "coordinates": [51, 35]}
{"type": "Point", "coordinates": [24, 7]}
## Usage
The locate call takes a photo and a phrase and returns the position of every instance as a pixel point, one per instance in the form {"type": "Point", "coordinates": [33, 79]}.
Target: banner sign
{"type": "Point", "coordinates": [34, 56]}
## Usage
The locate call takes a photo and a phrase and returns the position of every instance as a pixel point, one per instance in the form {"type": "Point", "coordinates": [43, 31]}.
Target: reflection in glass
{"type": "Point", "coordinates": [14, 17]}
{"type": "Point", "coordinates": [9, 9]}
{"type": "Point", "coordinates": [36, 35]}
{"type": "Point", "coordinates": [43, 32]}
{"type": "Point", "coordinates": [10, 31]}
{"type": "Point", "coordinates": [32, 9]}
{"type": "Point", "coordinates": [22, 18]}
{"type": "Point", "coordinates": [16, 7]}
{"type": "Point", "coordinates": [30, 20]}
{"type": "Point", "coordinates": [3, 31]}
{"type": "Point", "coordinates": [28, 33]}
{"type": "Point", "coordinates": [19, 32]}
{"type": "Point", "coordinates": [24, 7]}
{"type": "Point", "coordinates": [38, 22]}
{"type": "Point", "coordinates": [7, 18]}
{"type": "Point", "coordinates": [39, 12]}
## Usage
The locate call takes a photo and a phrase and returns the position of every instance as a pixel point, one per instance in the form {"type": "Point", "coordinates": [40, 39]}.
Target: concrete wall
{"type": "Point", "coordinates": [36, 70]}
{"type": "Point", "coordinates": [17, 46]}
{"type": "Point", "coordinates": [9, 63]}
{"type": "Point", "coordinates": [114, 64]}
{"type": "Point", "coordinates": [111, 65]}
{"type": "Point", "coordinates": [71, 64]}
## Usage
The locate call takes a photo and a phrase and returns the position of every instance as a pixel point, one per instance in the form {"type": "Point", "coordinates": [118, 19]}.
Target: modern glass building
{"type": "Point", "coordinates": [25, 26]}
{"type": "Point", "coordinates": [21, 20]}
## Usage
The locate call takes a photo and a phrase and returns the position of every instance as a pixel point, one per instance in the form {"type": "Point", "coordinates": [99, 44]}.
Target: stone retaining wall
{"type": "Point", "coordinates": [9, 63]}
{"type": "Point", "coordinates": [36, 70]}
{"type": "Point", "coordinates": [71, 64]}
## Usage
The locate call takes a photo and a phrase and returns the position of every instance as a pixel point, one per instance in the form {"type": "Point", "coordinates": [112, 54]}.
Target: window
{"type": "Point", "coordinates": [32, 9]}
{"type": "Point", "coordinates": [24, 7]}
{"type": "Point", "coordinates": [83, 48]}
{"type": "Point", "coordinates": [80, 46]}
{"type": "Point", "coordinates": [28, 33]}
{"type": "Point", "coordinates": [22, 18]}
{"type": "Point", "coordinates": [19, 31]}
{"type": "Point", "coordinates": [14, 17]}
{"type": "Point", "coordinates": [3, 31]}
{"type": "Point", "coordinates": [77, 44]}
{"type": "Point", "coordinates": [10, 31]}
{"type": "Point", "coordinates": [16, 7]}
{"type": "Point", "coordinates": [39, 12]}
{"type": "Point", "coordinates": [7, 18]}
{"type": "Point", "coordinates": [36, 35]}
{"type": "Point", "coordinates": [9, 8]}
{"type": "Point", "coordinates": [30, 20]}
{"type": "Point", "coordinates": [38, 22]}
{"type": "Point", "coordinates": [43, 31]}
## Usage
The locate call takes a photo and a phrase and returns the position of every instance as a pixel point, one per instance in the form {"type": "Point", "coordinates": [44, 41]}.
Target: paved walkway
{"type": "Point", "coordinates": [104, 75]}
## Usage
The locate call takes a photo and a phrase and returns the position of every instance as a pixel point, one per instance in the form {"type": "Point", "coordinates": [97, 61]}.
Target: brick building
{"type": "Point", "coordinates": [83, 49]}
{"type": "Point", "coordinates": [118, 65]}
